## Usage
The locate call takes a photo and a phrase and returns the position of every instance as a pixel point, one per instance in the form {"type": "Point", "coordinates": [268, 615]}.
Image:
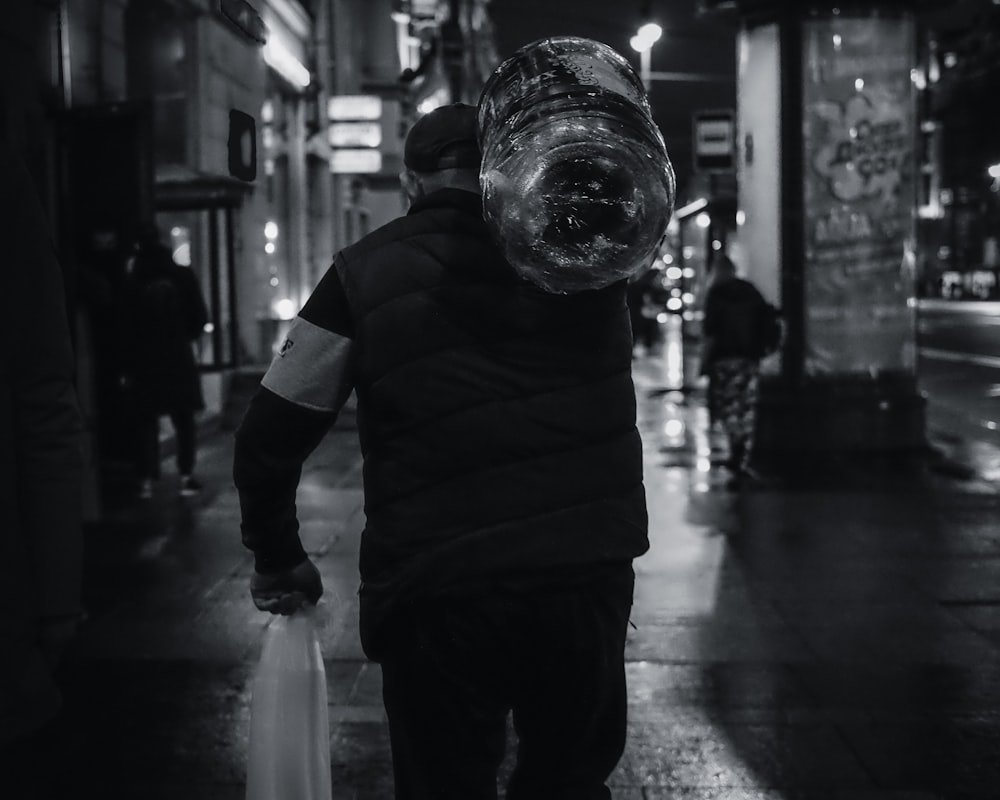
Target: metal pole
{"type": "Point", "coordinates": [65, 59]}
{"type": "Point", "coordinates": [299, 267]}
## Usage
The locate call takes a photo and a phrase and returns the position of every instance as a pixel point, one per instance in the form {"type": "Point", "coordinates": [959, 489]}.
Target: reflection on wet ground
{"type": "Point", "coordinates": [837, 637]}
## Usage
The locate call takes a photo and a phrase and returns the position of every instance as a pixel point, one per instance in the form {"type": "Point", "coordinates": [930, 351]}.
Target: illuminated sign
{"type": "Point", "coordinates": [355, 134]}
{"type": "Point", "coordinates": [281, 59]}
{"type": "Point", "coordinates": [355, 161]}
{"type": "Point", "coordinates": [354, 107]}
{"type": "Point", "coordinates": [714, 141]}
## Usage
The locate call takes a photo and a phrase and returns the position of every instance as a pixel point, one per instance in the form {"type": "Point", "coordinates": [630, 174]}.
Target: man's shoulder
{"type": "Point", "coordinates": [407, 231]}
{"type": "Point", "coordinates": [393, 232]}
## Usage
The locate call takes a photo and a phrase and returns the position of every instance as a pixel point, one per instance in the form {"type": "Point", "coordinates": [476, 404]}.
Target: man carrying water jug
{"type": "Point", "coordinates": [503, 484]}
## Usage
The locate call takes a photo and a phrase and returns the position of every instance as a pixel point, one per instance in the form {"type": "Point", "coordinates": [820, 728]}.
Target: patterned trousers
{"type": "Point", "coordinates": [732, 402]}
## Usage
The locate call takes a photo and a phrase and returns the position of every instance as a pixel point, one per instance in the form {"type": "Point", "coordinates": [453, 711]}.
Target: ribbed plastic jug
{"type": "Point", "coordinates": [577, 184]}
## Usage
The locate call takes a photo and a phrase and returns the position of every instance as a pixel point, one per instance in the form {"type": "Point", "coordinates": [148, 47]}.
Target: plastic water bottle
{"type": "Point", "coordinates": [577, 184]}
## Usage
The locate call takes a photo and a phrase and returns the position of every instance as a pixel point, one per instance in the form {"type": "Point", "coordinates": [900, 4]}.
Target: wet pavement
{"type": "Point", "coordinates": [835, 635]}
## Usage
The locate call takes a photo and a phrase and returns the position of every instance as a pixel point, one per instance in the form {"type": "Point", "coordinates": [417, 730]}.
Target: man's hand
{"type": "Point", "coordinates": [286, 592]}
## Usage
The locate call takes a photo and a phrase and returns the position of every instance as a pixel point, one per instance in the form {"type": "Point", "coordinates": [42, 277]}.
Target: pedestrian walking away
{"type": "Point", "coordinates": [739, 329]}
{"type": "Point", "coordinates": [166, 314]}
{"type": "Point", "coordinates": [503, 486]}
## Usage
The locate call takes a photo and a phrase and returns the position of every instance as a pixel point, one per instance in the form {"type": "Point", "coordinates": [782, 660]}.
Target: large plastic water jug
{"type": "Point", "coordinates": [577, 184]}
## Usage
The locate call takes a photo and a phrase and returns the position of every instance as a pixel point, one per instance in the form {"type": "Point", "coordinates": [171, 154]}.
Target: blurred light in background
{"type": "Point", "coordinates": [271, 229]}
{"type": "Point", "coordinates": [673, 427]}
{"type": "Point", "coordinates": [180, 245]}
{"type": "Point", "coordinates": [285, 308]}
{"type": "Point", "coordinates": [703, 220]}
{"type": "Point", "coordinates": [269, 248]}
{"type": "Point", "coordinates": [675, 273]}
{"type": "Point", "coordinates": [282, 60]}
{"type": "Point", "coordinates": [690, 208]}
{"type": "Point", "coordinates": [648, 35]}
{"type": "Point", "coordinates": [434, 100]}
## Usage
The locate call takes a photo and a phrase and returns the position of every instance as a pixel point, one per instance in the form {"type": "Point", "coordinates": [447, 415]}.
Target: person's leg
{"type": "Point", "coordinates": [35, 766]}
{"type": "Point", "coordinates": [148, 455]}
{"type": "Point", "coordinates": [744, 416]}
{"type": "Point", "coordinates": [727, 404]}
{"type": "Point", "coordinates": [184, 430]}
{"type": "Point", "coordinates": [716, 431]}
{"type": "Point", "coordinates": [570, 703]}
{"type": "Point", "coordinates": [447, 716]}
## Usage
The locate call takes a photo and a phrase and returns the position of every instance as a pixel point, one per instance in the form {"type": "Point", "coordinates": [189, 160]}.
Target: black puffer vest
{"type": "Point", "coordinates": [497, 422]}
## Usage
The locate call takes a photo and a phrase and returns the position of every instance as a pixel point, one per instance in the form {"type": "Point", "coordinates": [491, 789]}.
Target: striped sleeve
{"type": "Point", "coordinates": [314, 365]}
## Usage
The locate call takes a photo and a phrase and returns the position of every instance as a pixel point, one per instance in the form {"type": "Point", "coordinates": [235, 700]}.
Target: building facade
{"type": "Point", "coordinates": [211, 120]}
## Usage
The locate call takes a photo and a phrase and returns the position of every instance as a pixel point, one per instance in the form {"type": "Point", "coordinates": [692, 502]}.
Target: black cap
{"type": "Point", "coordinates": [445, 138]}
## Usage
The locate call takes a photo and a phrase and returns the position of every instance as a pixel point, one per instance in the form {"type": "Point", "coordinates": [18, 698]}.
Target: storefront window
{"type": "Point", "coordinates": [201, 240]}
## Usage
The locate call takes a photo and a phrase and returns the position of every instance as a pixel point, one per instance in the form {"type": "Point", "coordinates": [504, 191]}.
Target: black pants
{"type": "Point", "coordinates": [35, 767]}
{"type": "Point", "coordinates": [556, 659]}
{"type": "Point", "coordinates": [149, 445]}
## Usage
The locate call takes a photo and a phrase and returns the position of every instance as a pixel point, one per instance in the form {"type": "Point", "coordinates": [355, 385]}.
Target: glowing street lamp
{"type": "Point", "coordinates": [648, 35]}
{"type": "Point", "coordinates": [994, 172]}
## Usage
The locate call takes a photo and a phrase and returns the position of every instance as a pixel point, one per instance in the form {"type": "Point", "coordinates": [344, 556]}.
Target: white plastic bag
{"type": "Point", "coordinates": [289, 752]}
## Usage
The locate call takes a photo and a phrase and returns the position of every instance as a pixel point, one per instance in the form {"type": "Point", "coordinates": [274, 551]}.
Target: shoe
{"type": "Point", "coordinates": [189, 486]}
{"type": "Point", "coordinates": [145, 489]}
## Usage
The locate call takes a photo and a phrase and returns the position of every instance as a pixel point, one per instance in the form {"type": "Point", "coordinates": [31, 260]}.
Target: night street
{"type": "Point", "coordinates": [451, 225]}
{"type": "Point", "coordinates": [835, 641]}
{"type": "Point", "coordinates": [960, 365]}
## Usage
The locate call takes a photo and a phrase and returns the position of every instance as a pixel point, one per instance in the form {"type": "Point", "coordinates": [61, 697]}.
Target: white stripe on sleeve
{"type": "Point", "coordinates": [312, 368]}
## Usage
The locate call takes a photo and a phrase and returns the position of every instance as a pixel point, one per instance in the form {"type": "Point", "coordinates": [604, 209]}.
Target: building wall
{"type": "Point", "coordinates": [97, 49]}
{"type": "Point", "coordinates": [232, 75]}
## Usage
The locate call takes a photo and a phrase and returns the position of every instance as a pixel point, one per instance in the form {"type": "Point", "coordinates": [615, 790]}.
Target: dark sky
{"type": "Point", "coordinates": [705, 45]}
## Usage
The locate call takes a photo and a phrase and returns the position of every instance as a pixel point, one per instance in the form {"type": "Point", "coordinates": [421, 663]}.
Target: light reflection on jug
{"type": "Point", "coordinates": [577, 184]}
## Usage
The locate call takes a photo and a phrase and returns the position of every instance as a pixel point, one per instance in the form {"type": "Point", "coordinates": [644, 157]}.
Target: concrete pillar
{"type": "Point", "coordinates": [298, 208]}
{"type": "Point", "coordinates": [324, 224]}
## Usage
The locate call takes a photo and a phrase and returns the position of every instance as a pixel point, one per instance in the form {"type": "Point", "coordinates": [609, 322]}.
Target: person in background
{"type": "Point", "coordinates": [503, 484]}
{"type": "Point", "coordinates": [166, 315]}
{"type": "Point", "coordinates": [647, 299]}
{"type": "Point", "coordinates": [41, 462]}
{"type": "Point", "coordinates": [735, 321]}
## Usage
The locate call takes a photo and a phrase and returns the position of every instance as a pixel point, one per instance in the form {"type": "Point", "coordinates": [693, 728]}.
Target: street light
{"type": "Point", "coordinates": [648, 35]}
